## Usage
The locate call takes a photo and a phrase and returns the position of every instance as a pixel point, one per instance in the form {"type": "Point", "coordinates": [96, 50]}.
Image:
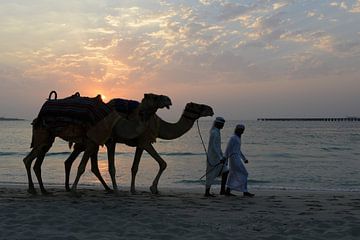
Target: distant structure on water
{"type": "Point", "coordinates": [11, 119]}
{"type": "Point", "coordinates": [347, 119]}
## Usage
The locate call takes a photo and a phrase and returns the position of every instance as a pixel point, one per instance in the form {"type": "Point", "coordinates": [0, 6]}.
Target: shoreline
{"type": "Point", "coordinates": [190, 188]}
{"type": "Point", "coordinates": [178, 214]}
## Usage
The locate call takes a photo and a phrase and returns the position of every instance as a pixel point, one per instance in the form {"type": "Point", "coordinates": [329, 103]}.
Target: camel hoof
{"type": "Point", "coordinates": [32, 191]}
{"type": "Point", "coordinates": [133, 192]}
{"type": "Point", "coordinates": [154, 190]}
{"type": "Point", "coordinates": [109, 191]}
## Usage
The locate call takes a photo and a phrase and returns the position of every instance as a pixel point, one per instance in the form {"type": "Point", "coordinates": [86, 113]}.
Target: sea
{"type": "Point", "coordinates": [290, 155]}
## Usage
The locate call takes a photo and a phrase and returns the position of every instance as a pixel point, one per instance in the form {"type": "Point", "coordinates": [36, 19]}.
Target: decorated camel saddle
{"type": "Point", "coordinates": [92, 114]}
{"type": "Point", "coordinates": [73, 109]}
{"type": "Point", "coordinates": [124, 107]}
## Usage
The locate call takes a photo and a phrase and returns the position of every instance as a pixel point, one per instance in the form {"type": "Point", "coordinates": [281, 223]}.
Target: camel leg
{"type": "Point", "coordinates": [37, 167]}
{"type": "Point", "coordinates": [162, 165]}
{"type": "Point", "coordinates": [28, 161]}
{"type": "Point", "coordinates": [135, 167]}
{"type": "Point", "coordinates": [78, 148]}
{"type": "Point", "coordinates": [82, 166]}
{"type": "Point", "coordinates": [95, 170]}
{"type": "Point", "coordinates": [111, 161]}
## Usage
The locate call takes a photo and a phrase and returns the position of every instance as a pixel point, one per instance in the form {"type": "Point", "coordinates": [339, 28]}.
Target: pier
{"type": "Point", "coordinates": [346, 119]}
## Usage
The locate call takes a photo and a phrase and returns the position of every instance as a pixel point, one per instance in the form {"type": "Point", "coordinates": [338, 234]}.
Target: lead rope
{"type": "Point", "coordinates": [202, 141]}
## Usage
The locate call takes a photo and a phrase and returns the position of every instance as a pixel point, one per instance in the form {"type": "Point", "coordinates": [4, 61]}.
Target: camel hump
{"type": "Point", "coordinates": [51, 93]}
{"type": "Point", "coordinates": [125, 106]}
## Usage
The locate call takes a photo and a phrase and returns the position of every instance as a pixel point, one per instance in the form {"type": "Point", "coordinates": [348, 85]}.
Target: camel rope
{"type": "Point", "coordinates": [202, 141]}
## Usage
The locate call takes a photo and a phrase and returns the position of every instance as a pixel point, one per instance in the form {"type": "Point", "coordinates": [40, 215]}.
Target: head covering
{"type": "Point", "coordinates": [219, 120]}
{"type": "Point", "coordinates": [240, 126]}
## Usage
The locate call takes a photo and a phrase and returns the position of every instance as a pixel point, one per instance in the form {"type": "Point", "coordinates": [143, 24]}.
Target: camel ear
{"type": "Point", "coordinates": [147, 95]}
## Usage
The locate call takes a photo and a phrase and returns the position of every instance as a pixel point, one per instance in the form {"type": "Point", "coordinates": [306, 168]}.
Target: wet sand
{"type": "Point", "coordinates": [178, 214]}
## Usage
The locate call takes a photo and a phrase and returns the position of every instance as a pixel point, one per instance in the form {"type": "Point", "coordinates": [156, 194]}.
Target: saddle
{"type": "Point", "coordinates": [123, 106]}
{"type": "Point", "coordinates": [74, 110]}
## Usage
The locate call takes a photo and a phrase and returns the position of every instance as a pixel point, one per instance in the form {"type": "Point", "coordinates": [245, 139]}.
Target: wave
{"type": "Point", "coordinates": [166, 153]}
{"type": "Point", "coordinates": [281, 155]}
{"type": "Point", "coordinates": [67, 153]}
{"type": "Point", "coordinates": [58, 153]}
{"type": "Point", "coordinates": [10, 154]}
{"type": "Point", "coordinates": [330, 149]}
{"type": "Point", "coordinates": [182, 154]}
{"type": "Point", "coordinates": [25, 153]}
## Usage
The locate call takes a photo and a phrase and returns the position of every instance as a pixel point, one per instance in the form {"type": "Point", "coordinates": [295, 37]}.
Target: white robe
{"type": "Point", "coordinates": [238, 175]}
{"type": "Point", "coordinates": [213, 168]}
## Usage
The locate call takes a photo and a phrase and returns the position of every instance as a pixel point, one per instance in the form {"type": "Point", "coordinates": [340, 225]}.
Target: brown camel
{"type": "Point", "coordinates": [157, 128]}
{"type": "Point", "coordinates": [43, 137]}
{"type": "Point", "coordinates": [130, 126]}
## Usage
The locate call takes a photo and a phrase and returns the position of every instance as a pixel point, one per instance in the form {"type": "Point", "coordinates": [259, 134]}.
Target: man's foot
{"type": "Point", "coordinates": [222, 193]}
{"type": "Point", "coordinates": [229, 194]}
{"type": "Point", "coordinates": [247, 194]}
{"type": "Point", "coordinates": [209, 195]}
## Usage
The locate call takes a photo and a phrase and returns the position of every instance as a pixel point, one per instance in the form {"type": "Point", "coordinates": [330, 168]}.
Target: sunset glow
{"type": "Point", "coordinates": [247, 59]}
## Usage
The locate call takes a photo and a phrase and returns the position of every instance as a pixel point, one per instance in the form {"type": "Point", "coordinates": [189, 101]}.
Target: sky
{"type": "Point", "coordinates": [246, 59]}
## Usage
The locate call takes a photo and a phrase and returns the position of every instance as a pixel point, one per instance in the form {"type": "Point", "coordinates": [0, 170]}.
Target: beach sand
{"type": "Point", "coordinates": [178, 214]}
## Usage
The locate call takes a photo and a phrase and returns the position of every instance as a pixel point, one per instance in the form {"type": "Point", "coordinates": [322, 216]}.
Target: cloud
{"type": "Point", "coordinates": [352, 8]}
{"type": "Point", "coordinates": [132, 42]}
{"type": "Point", "coordinates": [279, 5]}
{"type": "Point", "coordinates": [232, 11]}
{"type": "Point", "coordinates": [356, 7]}
{"type": "Point", "coordinates": [319, 40]}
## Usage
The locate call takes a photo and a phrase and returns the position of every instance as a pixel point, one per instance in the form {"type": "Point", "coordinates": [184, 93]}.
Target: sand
{"type": "Point", "coordinates": [178, 214]}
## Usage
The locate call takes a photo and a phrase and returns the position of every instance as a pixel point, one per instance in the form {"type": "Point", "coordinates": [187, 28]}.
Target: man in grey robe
{"type": "Point", "coordinates": [238, 175]}
{"type": "Point", "coordinates": [215, 160]}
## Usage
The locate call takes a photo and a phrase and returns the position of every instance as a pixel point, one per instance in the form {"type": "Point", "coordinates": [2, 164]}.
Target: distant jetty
{"type": "Point", "coordinates": [346, 119]}
{"type": "Point", "coordinates": [11, 119]}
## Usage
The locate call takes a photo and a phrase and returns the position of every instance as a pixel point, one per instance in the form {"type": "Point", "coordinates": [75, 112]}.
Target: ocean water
{"type": "Point", "coordinates": [283, 155]}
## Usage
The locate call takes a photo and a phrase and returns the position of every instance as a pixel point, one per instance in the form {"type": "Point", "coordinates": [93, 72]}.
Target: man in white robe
{"type": "Point", "coordinates": [238, 175]}
{"type": "Point", "coordinates": [215, 159]}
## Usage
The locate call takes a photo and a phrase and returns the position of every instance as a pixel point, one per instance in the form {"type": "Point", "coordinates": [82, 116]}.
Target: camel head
{"type": "Point", "coordinates": [152, 102]}
{"type": "Point", "coordinates": [195, 111]}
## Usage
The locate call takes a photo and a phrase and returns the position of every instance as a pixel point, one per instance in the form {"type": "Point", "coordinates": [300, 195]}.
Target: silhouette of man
{"type": "Point", "coordinates": [215, 158]}
{"type": "Point", "coordinates": [238, 175]}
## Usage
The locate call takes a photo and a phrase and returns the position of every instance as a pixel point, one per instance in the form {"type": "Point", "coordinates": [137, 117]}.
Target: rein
{"type": "Point", "coordinates": [191, 115]}
{"type": "Point", "coordinates": [202, 141]}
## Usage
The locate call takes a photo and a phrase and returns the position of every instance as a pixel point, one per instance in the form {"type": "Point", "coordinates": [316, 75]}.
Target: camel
{"type": "Point", "coordinates": [158, 128]}
{"type": "Point", "coordinates": [43, 137]}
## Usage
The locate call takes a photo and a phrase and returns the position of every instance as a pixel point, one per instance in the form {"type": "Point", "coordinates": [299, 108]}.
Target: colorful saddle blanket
{"type": "Point", "coordinates": [123, 105]}
{"type": "Point", "coordinates": [75, 109]}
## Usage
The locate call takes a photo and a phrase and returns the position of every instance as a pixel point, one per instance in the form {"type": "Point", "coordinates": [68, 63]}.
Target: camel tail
{"type": "Point", "coordinates": [34, 123]}
{"type": "Point", "coordinates": [32, 141]}
{"type": "Point", "coordinates": [40, 136]}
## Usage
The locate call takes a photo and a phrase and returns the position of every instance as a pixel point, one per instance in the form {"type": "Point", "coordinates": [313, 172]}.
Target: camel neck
{"type": "Point", "coordinates": [171, 131]}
